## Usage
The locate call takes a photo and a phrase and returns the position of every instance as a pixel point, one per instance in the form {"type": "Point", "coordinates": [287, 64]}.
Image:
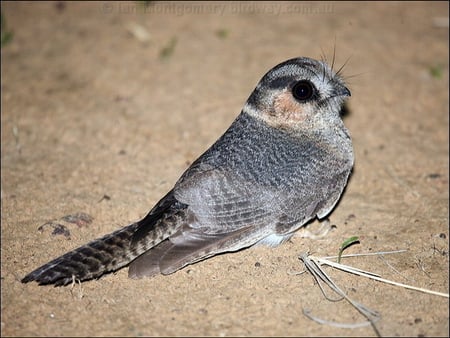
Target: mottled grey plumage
{"type": "Point", "coordinates": [284, 161]}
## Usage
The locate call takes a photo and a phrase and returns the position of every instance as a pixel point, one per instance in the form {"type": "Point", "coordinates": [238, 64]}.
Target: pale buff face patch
{"type": "Point", "coordinates": [286, 112]}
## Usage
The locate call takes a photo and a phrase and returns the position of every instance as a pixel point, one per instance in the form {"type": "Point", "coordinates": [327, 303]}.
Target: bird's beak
{"type": "Point", "coordinates": [344, 91]}
{"type": "Point", "coordinates": [341, 91]}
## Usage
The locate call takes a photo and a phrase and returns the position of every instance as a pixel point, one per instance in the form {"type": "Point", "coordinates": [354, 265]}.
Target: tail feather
{"type": "Point", "coordinates": [115, 250]}
{"type": "Point", "coordinates": [89, 261]}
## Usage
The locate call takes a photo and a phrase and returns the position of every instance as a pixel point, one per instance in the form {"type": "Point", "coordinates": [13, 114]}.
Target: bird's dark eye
{"type": "Point", "coordinates": [303, 90]}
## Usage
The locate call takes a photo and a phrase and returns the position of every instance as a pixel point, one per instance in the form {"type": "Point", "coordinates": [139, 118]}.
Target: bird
{"type": "Point", "coordinates": [283, 162]}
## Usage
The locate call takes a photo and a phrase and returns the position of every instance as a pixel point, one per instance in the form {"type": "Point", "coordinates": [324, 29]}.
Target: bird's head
{"type": "Point", "coordinates": [299, 94]}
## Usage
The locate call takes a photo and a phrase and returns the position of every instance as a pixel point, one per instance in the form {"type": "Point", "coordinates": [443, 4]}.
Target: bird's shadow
{"type": "Point", "coordinates": [345, 111]}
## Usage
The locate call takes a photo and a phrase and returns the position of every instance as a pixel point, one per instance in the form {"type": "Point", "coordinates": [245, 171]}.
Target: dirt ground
{"type": "Point", "coordinates": [105, 104]}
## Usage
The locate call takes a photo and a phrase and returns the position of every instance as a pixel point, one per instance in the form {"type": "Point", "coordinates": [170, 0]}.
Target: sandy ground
{"type": "Point", "coordinates": [117, 99]}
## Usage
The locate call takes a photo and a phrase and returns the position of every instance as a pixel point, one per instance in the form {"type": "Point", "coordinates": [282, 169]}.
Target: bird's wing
{"type": "Point", "coordinates": [224, 213]}
{"type": "Point", "coordinates": [186, 247]}
{"type": "Point", "coordinates": [222, 201]}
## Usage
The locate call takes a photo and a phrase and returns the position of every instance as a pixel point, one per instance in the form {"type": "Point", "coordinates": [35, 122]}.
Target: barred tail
{"type": "Point", "coordinates": [89, 261]}
{"type": "Point", "coordinates": [115, 250]}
